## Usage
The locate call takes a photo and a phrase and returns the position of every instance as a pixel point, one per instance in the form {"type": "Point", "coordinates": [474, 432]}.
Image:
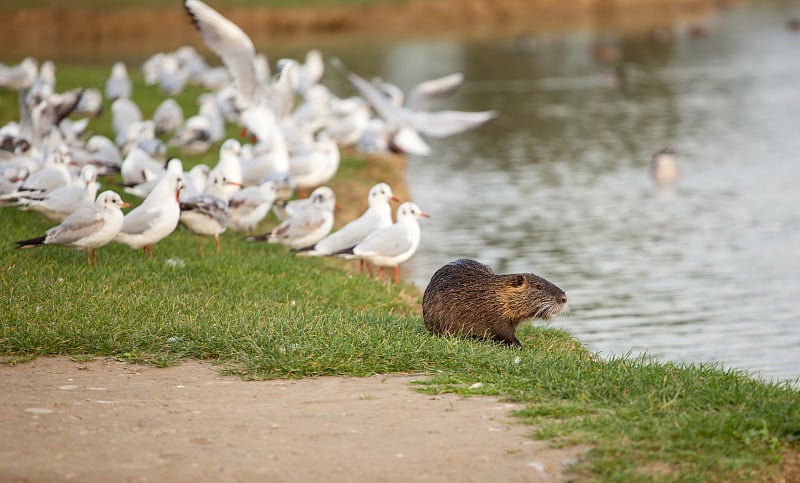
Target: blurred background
{"type": "Point", "coordinates": [704, 269]}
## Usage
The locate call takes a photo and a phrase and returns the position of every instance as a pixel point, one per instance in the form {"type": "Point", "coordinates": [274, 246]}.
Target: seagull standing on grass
{"type": "Point", "coordinates": [119, 84]}
{"type": "Point", "coordinates": [394, 245]}
{"type": "Point", "coordinates": [87, 228]}
{"type": "Point", "coordinates": [377, 217]}
{"type": "Point", "coordinates": [155, 218]}
{"type": "Point", "coordinates": [208, 214]}
{"type": "Point", "coordinates": [61, 202]}
{"type": "Point", "coordinates": [306, 226]}
{"type": "Point", "coordinates": [250, 205]}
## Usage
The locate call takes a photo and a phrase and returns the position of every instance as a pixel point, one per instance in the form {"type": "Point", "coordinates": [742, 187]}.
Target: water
{"type": "Point", "coordinates": [559, 185]}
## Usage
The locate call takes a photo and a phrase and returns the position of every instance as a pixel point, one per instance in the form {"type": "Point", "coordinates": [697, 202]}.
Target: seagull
{"type": "Point", "coordinates": [88, 228]}
{"type": "Point", "coordinates": [306, 226]}
{"type": "Point", "coordinates": [91, 103]}
{"type": "Point", "coordinates": [102, 153]}
{"type": "Point", "coordinates": [52, 176]}
{"type": "Point", "coordinates": [315, 166]}
{"type": "Point", "coordinates": [200, 131]}
{"type": "Point", "coordinates": [378, 216]}
{"type": "Point", "coordinates": [424, 95]}
{"type": "Point", "coordinates": [229, 166]}
{"type": "Point", "coordinates": [119, 84]}
{"type": "Point", "coordinates": [168, 116]}
{"type": "Point", "coordinates": [20, 76]}
{"type": "Point", "coordinates": [61, 202]}
{"type": "Point", "coordinates": [270, 154]}
{"type": "Point", "coordinates": [196, 181]}
{"type": "Point", "coordinates": [664, 167]}
{"type": "Point", "coordinates": [174, 166]}
{"type": "Point", "coordinates": [139, 167]}
{"type": "Point", "coordinates": [237, 52]}
{"type": "Point", "coordinates": [407, 125]}
{"type": "Point", "coordinates": [208, 214]}
{"type": "Point", "coordinates": [155, 218]}
{"type": "Point", "coordinates": [124, 113]}
{"type": "Point", "coordinates": [232, 45]}
{"type": "Point", "coordinates": [393, 245]}
{"type": "Point", "coordinates": [250, 205]}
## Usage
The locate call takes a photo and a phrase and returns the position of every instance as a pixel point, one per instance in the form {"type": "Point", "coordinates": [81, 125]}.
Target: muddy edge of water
{"type": "Point", "coordinates": [48, 32]}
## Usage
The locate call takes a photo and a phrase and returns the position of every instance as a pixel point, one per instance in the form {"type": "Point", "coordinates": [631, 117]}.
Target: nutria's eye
{"type": "Point", "coordinates": [519, 280]}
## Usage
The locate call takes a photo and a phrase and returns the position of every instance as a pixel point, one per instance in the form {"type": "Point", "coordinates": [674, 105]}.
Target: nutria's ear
{"type": "Point", "coordinates": [518, 281]}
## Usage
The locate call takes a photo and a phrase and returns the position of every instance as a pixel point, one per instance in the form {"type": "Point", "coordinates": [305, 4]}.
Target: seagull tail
{"type": "Point", "coordinates": [264, 237]}
{"type": "Point", "coordinates": [33, 242]}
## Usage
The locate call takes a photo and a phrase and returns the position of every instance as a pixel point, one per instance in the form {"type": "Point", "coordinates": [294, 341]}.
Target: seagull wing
{"type": "Point", "coordinates": [390, 242]}
{"type": "Point", "coordinates": [426, 94]}
{"type": "Point", "coordinates": [80, 224]}
{"type": "Point", "coordinates": [441, 124]}
{"type": "Point", "coordinates": [229, 42]}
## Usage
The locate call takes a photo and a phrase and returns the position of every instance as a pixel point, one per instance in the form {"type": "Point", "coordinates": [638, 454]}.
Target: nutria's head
{"type": "Point", "coordinates": [526, 295]}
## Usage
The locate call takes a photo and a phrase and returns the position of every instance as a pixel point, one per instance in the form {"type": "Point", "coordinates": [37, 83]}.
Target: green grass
{"type": "Point", "coordinates": [260, 312]}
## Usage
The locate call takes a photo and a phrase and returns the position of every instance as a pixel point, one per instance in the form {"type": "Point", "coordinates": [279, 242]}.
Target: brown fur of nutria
{"type": "Point", "coordinates": [466, 298]}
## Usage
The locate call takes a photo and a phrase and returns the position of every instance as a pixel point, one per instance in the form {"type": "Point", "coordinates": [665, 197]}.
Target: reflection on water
{"type": "Point", "coordinates": [559, 185]}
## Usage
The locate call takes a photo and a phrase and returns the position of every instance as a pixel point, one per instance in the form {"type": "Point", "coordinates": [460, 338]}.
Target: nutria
{"type": "Point", "coordinates": [466, 298]}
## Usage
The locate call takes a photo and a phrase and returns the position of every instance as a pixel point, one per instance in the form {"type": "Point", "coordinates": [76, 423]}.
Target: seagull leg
{"type": "Point", "coordinates": [88, 259]}
{"type": "Point", "coordinates": [94, 256]}
{"type": "Point", "coordinates": [216, 242]}
{"type": "Point", "coordinates": [382, 273]}
{"type": "Point", "coordinates": [396, 274]}
{"type": "Point", "coordinates": [200, 244]}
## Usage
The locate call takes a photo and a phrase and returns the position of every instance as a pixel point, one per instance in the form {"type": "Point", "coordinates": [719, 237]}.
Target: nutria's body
{"type": "Point", "coordinates": [466, 298]}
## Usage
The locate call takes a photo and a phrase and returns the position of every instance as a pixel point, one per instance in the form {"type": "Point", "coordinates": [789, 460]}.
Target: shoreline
{"type": "Point", "coordinates": [80, 31]}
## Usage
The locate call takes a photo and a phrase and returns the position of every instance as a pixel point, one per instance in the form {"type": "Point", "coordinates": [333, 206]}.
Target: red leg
{"type": "Point", "coordinates": [396, 274]}
{"type": "Point", "coordinates": [216, 242]}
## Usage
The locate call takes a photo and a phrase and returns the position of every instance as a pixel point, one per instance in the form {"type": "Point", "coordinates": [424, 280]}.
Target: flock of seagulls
{"type": "Point", "coordinates": [295, 126]}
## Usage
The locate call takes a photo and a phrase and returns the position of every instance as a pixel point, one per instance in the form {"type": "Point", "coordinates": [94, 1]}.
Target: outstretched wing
{"type": "Point", "coordinates": [229, 42]}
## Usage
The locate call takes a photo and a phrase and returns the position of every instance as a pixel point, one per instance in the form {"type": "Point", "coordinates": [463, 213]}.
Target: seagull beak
{"type": "Point", "coordinates": [424, 215]}
{"type": "Point", "coordinates": [234, 183]}
{"type": "Point", "coordinates": [125, 205]}
{"type": "Point", "coordinates": [395, 199]}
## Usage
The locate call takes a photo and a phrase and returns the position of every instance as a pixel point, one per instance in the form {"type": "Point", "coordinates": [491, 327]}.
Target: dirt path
{"type": "Point", "coordinates": [112, 421]}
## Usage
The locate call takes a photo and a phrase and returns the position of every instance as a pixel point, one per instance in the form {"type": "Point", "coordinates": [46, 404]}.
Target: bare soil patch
{"type": "Point", "coordinates": [107, 420]}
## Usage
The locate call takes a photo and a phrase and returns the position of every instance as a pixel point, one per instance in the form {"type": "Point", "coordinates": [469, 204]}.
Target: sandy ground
{"type": "Point", "coordinates": [110, 421]}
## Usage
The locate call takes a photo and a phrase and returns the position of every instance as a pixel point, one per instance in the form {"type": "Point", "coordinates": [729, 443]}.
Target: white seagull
{"type": "Point", "coordinates": [377, 216]}
{"type": "Point", "coordinates": [208, 214]}
{"type": "Point", "coordinates": [119, 84]}
{"type": "Point", "coordinates": [406, 125]}
{"type": "Point", "coordinates": [61, 202]}
{"type": "Point", "coordinates": [87, 228]}
{"type": "Point", "coordinates": [250, 205]}
{"type": "Point", "coordinates": [393, 245]}
{"type": "Point", "coordinates": [155, 218]}
{"type": "Point", "coordinates": [168, 116]}
{"type": "Point", "coordinates": [229, 166]}
{"type": "Point", "coordinates": [308, 225]}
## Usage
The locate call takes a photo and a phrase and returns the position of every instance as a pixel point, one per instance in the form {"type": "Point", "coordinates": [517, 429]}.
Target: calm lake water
{"type": "Point", "coordinates": [559, 185]}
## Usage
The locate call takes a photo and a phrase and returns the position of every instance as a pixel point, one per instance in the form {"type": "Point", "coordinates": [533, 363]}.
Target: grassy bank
{"type": "Point", "coordinates": [262, 313]}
